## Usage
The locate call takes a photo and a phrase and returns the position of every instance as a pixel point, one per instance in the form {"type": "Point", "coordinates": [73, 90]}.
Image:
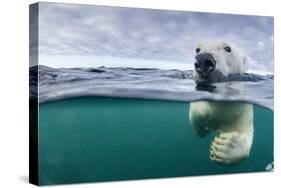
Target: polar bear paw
{"type": "Point", "coordinates": [229, 148]}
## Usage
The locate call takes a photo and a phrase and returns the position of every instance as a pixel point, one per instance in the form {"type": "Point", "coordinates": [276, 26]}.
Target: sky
{"type": "Point", "coordinates": [90, 36]}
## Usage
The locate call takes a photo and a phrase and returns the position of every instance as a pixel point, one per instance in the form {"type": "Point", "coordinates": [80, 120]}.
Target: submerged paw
{"type": "Point", "coordinates": [226, 149]}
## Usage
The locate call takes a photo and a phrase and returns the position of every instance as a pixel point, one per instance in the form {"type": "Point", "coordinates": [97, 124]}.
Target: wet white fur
{"type": "Point", "coordinates": [232, 122]}
{"type": "Point", "coordinates": [227, 63]}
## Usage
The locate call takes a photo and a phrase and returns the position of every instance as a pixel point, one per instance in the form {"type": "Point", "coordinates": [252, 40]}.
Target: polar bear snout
{"type": "Point", "coordinates": [205, 64]}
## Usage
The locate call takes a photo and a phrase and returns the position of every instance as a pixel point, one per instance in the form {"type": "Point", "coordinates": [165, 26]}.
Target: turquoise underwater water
{"type": "Point", "coordinates": [92, 139]}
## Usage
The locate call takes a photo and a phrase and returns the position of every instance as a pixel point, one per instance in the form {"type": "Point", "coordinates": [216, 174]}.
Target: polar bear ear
{"type": "Point", "coordinates": [199, 45]}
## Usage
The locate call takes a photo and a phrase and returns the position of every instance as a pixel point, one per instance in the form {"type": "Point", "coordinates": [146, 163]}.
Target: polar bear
{"type": "Point", "coordinates": [231, 121]}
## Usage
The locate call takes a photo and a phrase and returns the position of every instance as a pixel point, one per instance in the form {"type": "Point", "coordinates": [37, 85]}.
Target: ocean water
{"type": "Point", "coordinates": [90, 139]}
{"type": "Point", "coordinates": [146, 83]}
{"type": "Point", "coordinates": [99, 124]}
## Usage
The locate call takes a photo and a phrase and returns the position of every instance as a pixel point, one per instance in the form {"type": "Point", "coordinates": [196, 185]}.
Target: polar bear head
{"type": "Point", "coordinates": [217, 60]}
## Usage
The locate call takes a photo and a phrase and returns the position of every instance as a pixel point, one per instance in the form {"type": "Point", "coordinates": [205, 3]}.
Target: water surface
{"type": "Point", "coordinates": [147, 83]}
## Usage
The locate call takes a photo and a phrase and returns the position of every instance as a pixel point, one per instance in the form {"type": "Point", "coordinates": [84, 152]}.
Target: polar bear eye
{"type": "Point", "coordinates": [227, 49]}
{"type": "Point", "coordinates": [197, 50]}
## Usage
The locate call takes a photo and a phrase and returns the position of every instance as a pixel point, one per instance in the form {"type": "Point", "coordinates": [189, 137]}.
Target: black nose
{"type": "Point", "coordinates": [205, 64]}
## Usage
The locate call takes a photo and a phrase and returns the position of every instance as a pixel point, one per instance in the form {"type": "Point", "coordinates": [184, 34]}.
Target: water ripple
{"type": "Point", "coordinates": [176, 85]}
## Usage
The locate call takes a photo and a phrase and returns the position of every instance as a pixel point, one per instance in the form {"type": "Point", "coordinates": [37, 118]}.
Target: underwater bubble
{"type": "Point", "coordinates": [270, 166]}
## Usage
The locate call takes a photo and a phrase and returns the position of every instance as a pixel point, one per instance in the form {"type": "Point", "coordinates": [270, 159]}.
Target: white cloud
{"type": "Point", "coordinates": [160, 35]}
